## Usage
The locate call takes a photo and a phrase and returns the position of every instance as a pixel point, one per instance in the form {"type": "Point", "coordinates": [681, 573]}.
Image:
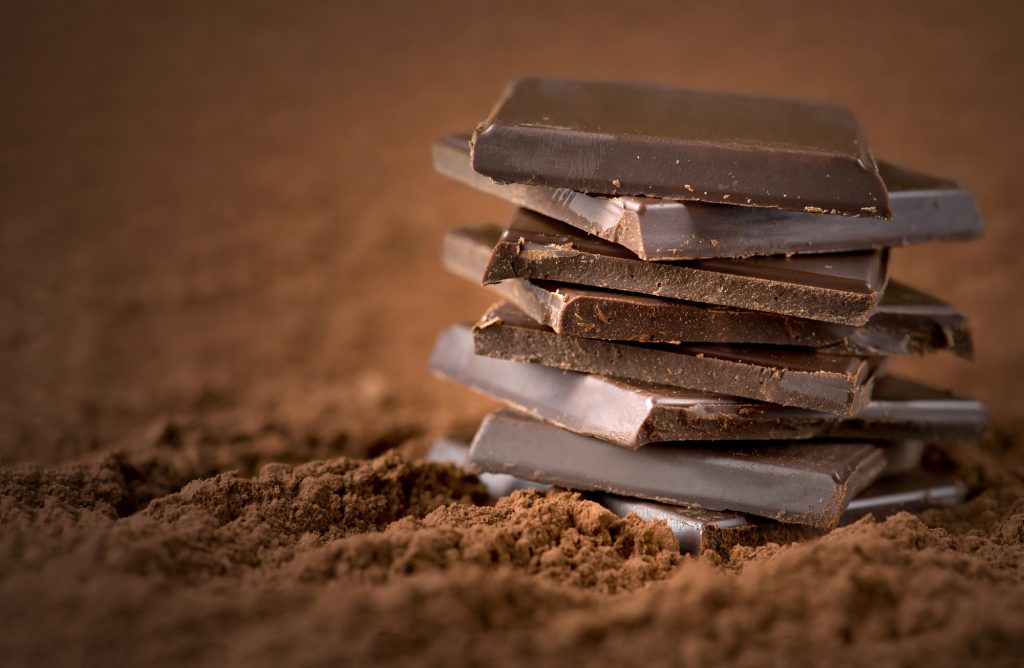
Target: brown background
{"type": "Point", "coordinates": [211, 204]}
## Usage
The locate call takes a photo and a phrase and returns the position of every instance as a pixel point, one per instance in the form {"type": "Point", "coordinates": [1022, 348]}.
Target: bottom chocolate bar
{"type": "Point", "coordinates": [799, 483]}
{"type": "Point", "coordinates": [698, 529]}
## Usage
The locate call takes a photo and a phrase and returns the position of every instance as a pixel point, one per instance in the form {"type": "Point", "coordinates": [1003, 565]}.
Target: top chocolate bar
{"type": "Point", "coordinates": [658, 141]}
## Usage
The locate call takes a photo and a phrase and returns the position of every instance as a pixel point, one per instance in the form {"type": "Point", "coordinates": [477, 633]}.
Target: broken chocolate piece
{"type": "Point", "coordinates": [650, 140]}
{"type": "Point", "coordinates": [905, 322]}
{"type": "Point", "coordinates": [698, 529]}
{"type": "Point", "coordinates": [924, 209]}
{"type": "Point", "coordinates": [838, 287]}
{"type": "Point", "coordinates": [800, 483]}
{"type": "Point", "coordinates": [912, 492]}
{"type": "Point", "coordinates": [633, 414]}
{"type": "Point", "coordinates": [786, 376]}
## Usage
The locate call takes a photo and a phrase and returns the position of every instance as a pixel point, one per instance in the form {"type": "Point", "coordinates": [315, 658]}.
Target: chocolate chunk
{"type": "Point", "coordinates": [913, 492]}
{"type": "Point", "coordinates": [698, 529]}
{"type": "Point", "coordinates": [799, 483]}
{"type": "Point", "coordinates": [786, 376]}
{"type": "Point", "coordinates": [633, 414]}
{"type": "Point", "coordinates": [497, 484]}
{"type": "Point", "coordinates": [924, 209]}
{"type": "Point", "coordinates": [905, 322]}
{"type": "Point", "coordinates": [642, 139]}
{"type": "Point", "coordinates": [837, 287]}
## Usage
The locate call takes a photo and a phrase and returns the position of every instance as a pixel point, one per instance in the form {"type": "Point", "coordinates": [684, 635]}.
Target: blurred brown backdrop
{"type": "Point", "coordinates": [213, 208]}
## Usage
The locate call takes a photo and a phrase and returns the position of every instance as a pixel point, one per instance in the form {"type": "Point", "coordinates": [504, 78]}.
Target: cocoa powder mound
{"type": "Point", "coordinates": [220, 526]}
{"type": "Point", "coordinates": [556, 535]}
{"type": "Point", "coordinates": [283, 536]}
{"type": "Point", "coordinates": [387, 562]}
{"type": "Point", "coordinates": [893, 592]}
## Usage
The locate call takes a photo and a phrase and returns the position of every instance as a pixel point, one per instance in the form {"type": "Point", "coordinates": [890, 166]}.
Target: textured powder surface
{"type": "Point", "coordinates": [387, 561]}
{"type": "Point", "coordinates": [220, 283]}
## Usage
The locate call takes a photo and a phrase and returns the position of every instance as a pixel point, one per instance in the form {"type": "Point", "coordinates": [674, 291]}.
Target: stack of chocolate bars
{"type": "Point", "coordinates": [696, 310]}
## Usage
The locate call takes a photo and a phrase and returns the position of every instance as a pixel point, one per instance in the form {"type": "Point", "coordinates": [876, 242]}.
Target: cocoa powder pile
{"type": "Point", "coordinates": [385, 561]}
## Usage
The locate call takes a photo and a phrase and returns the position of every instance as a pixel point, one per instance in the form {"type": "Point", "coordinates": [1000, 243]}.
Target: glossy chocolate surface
{"type": "Point", "coordinates": [905, 322]}
{"type": "Point", "coordinates": [800, 483]}
{"type": "Point", "coordinates": [633, 414]}
{"type": "Point", "coordinates": [843, 288]}
{"type": "Point", "coordinates": [797, 377]}
{"type": "Point", "coordinates": [924, 209]}
{"type": "Point", "coordinates": [651, 140]}
{"type": "Point", "coordinates": [697, 529]}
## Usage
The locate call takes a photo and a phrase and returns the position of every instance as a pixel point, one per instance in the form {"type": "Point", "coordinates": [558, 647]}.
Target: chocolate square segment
{"type": "Point", "coordinates": [799, 483]}
{"type": "Point", "coordinates": [658, 141]}
{"type": "Point", "coordinates": [925, 208]}
{"type": "Point", "coordinates": [906, 321]}
{"type": "Point", "coordinates": [633, 414]}
{"type": "Point", "coordinates": [837, 384]}
{"type": "Point", "coordinates": [842, 288]}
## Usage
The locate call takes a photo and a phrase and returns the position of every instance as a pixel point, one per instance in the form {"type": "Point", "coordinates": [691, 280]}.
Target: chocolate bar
{"type": "Point", "coordinates": [799, 483]}
{"type": "Point", "coordinates": [834, 287]}
{"type": "Point", "coordinates": [786, 376]}
{"type": "Point", "coordinates": [924, 209]}
{"type": "Point", "coordinates": [698, 529]}
{"type": "Point", "coordinates": [658, 141]}
{"type": "Point", "coordinates": [633, 414]}
{"type": "Point", "coordinates": [905, 322]}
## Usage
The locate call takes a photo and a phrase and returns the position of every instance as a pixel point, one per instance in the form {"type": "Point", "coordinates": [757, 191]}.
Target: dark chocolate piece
{"type": "Point", "coordinates": [633, 414]}
{"type": "Point", "coordinates": [650, 140]}
{"type": "Point", "coordinates": [924, 209]}
{"type": "Point", "coordinates": [497, 484]}
{"type": "Point", "coordinates": [836, 287]}
{"type": "Point", "coordinates": [905, 322]}
{"type": "Point", "coordinates": [902, 456]}
{"type": "Point", "coordinates": [698, 529]}
{"type": "Point", "coordinates": [914, 491]}
{"type": "Point", "coordinates": [787, 376]}
{"type": "Point", "coordinates": [799, 483]}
